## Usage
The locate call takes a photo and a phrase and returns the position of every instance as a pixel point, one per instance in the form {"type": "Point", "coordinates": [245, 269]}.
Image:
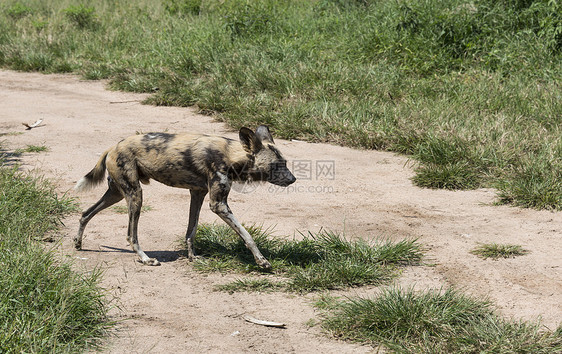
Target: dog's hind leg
{"type": "Point", "coordinates": [111, 196]}
{"type": "Point", "coordinates": [134, 203]}
{"type": "Point", "coordinates": [197, 198]}
{"type": "Point", "coordinates": [219, 189]}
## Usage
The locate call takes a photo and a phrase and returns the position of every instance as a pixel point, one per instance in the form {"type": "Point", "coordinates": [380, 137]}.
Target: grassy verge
{"type": "Point", "coordinates": [44, 305]}
{"type": "Point", "coordinates": [433, 322]}
{"type": "Point", "coordinates": [470, 89]}
{"type": "Point", "coordinates": [317, 262]}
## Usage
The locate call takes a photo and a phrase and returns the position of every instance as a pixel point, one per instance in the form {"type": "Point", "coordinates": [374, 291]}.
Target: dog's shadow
{"type": "Point", "coordinates": [161, 256]}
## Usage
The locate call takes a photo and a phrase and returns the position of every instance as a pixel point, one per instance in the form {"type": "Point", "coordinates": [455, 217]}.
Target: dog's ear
{"type": "Point", "coordinates": [263, 134]}
{"type": "Point", "coordinates": [249, 140]}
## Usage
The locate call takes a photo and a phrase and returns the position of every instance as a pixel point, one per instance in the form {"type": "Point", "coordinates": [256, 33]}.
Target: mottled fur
{"type": "Point", "coordinates": [201, 163]}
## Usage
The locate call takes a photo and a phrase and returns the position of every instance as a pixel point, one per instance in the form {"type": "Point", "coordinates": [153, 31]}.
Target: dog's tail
{"type": "Point", "coordinates": [95, 176]}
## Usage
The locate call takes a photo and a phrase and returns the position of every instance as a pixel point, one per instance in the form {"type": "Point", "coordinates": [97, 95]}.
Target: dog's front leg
{"type": "Point", "coordinates": [197, 198]}
{"type": "Point", "coordinates": [219, 187]}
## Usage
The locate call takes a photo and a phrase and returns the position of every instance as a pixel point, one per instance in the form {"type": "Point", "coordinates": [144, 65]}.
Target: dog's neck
{"type": "Point", "coordinates": [240, 164]}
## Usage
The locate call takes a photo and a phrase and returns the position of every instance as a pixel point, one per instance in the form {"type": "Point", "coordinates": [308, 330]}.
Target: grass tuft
{"type": "Point", "coordinates": [31, 148]}
{"type": "Point", "coordinates": [81, 16]}
{"type": "Point", "coordinates": [123, 209]}
{"type": "Point", "coordinates": [317, 262]}
{"type": "Point", "coordinates": [496, 251]}
{"type": "Point", "coordinates": [433, 322]}
{"type": "Point", "coordinates": [18, 11]}
{"type": "Point", "coordinates": [259, 285]}
{"type": "Point", "coordinates": [452, 176]}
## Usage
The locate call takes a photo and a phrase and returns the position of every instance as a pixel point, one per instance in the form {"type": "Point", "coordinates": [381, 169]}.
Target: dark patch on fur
{"type": "Point", "coordinates": [276, 152]}
{"type": "Point", "coordinates": [239, 171]}
{"type": "Point", "coordinates": [278, 169]}
{"type": "Point", "coordinates": [214, 160]}
{"type": "Point", "coordinates": [248, 176]}
{"type": "Point", "coordinates": [220, 189]}
{"type": "Point", "coordinates": [187, 161]}
{"type": "Point", "coordinates": [143, 177]}
{"type": "Point", "coordinates": [127, 185]}
{"type": "Point", "coordinates": [121, 161]}
{"type": "Point", "coordinates": [125, 182]}
{"type": "Point", "coordinates": [181, 173]}
{"type": "Point", "coordinates": [156, 141]}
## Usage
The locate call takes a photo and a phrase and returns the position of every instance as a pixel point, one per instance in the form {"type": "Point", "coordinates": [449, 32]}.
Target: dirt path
{"type": "Point", "coordinates": [366, 193]}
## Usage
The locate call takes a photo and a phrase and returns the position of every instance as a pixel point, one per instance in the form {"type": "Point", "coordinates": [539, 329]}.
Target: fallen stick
{"type": "Point", "coordinates": [264, 323]}
{"type": "Point", "coordinates": [129, 101]}
{"type": "Point", "coordinates": [29, 126]}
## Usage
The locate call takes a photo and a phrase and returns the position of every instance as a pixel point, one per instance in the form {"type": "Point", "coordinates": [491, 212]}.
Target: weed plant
{"type": "Point", "coordinates": [45, 306]}
{"type": "Point", "coordinates": [446, 321]}
{"type": "Point", "coordinates": [496, 251]}
{"type": "Point", "coordinates": [31, 149]}
{"type": "Point", "coordinates": [123, 209]}
{"type": "Point", "coordinates": [316, 262]}
{"type": "Point", "coordinates": [469, 89]}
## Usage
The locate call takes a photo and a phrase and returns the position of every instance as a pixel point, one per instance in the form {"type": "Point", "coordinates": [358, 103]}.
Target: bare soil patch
{"type": "Point", "coordinates": [367, 194]}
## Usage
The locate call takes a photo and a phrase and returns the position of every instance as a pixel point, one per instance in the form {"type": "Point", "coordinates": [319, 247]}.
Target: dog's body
{"type": "Point", "coordinates": [203, 164]}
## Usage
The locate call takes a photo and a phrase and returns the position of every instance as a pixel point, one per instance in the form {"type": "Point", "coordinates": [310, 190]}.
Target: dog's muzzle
{"type": "Point", "coordinates": [283, 179]}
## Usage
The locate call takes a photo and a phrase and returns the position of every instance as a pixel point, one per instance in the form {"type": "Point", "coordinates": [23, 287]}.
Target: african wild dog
{"type": "Point", "coordinates": [201, 163]}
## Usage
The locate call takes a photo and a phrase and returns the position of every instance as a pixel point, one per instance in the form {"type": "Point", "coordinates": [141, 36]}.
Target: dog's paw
{"type": "Point", "coordinates": [193, 258]}
{"type": "Point", "coordinates": [78, 245]}
{"type": "Point", "coordinates": [264, 264]}
{"type": "Point", "coordinates": [151, 262]}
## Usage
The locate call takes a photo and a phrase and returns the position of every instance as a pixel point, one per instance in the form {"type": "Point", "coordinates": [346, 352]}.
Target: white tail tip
{"type": "Point", "coordinates": [83, 185]}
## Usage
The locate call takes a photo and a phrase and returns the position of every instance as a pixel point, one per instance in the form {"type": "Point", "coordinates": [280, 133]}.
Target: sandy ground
{"type": "Point", "coordinates": [364, 193]}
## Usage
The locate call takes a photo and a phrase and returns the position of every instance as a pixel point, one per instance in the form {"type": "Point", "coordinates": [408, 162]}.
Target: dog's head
{"type": "Point", "coordinates": [269, 165]}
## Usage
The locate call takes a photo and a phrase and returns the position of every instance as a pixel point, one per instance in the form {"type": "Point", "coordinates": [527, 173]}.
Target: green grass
{"type": "Point", "coordinates": [316, 262]}
{"type": "Point", "coordinates": [45, 306]}
{"type": "Point", "coordinates": [444, 321]}
{"type": "Point", "coordinates": [31, 148]}
{"type": "Point", "coordinates": [496, 251]}
{"type": "Point", "coordinates": [258, 285]}
{"type": "Point", "coordinates": [406, 321]}
{"type": "Point", "coordinates": [122, 209]}
{"type": "Point", "coordinates": [469, 89]}
{"type": "Point", "coordinates": [11, 134]}
{"type": "Point", "coordinates": [36, 148]}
